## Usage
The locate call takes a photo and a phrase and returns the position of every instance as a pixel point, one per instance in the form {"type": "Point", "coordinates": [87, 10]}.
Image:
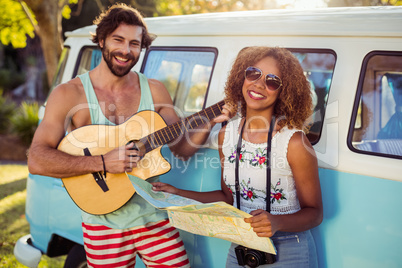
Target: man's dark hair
{"type": "Point", "coordinates": [117, 14]}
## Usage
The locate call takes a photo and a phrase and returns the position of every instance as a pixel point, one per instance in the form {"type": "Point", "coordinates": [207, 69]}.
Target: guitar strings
{"type": "Point", "coordinates": [162, 136]}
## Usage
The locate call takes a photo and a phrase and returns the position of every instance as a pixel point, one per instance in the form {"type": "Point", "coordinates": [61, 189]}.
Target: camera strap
{"type": "Point", "coordinates": [268, 165]}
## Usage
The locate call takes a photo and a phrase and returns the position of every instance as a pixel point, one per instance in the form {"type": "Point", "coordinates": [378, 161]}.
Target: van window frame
{"type": "Point", "coordinates": [61, 66]}
{"type": "Point", "coordinates": [357, 101]}
{"type": "Point", "coordinates": [320, 51]}
{"type": "Point", "coordinates": [79, 57]}
{"type": "Point", "coordinates": [185, 49]}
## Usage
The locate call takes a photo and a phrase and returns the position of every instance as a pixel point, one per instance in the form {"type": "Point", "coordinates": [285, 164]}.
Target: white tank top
{"type": "Point", "coordinates": [252, 171]}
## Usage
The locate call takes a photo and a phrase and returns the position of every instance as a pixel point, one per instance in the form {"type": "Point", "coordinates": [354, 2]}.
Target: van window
{"type": "Point", "coordinates": [318, 66]}
{"type": "Point", "coordinates": [185, 72]}
{"type": "Point", "coordinates": [88, 59]}
{"type": "Point", "coordinates": [376, 126]}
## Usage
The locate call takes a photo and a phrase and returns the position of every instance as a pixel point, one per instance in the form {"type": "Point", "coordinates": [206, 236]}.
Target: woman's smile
{"type": "Point", "coordinates": [255, 96]}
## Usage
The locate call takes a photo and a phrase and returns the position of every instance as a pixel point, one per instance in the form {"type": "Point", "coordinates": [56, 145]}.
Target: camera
{"type": "Point", "coordinates": [252, 257]}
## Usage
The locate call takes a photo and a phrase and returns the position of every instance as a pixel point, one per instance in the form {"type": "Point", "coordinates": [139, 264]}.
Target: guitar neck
{"type": "Point", "coordinates": [170, 133]}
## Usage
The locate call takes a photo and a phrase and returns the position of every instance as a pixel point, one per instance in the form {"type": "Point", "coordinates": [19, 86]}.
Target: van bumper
{"type": "Point", "coordinates": [25, 253]}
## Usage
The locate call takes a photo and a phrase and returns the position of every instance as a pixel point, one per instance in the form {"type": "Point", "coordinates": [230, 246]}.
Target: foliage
{"type": "Point", "coordinates": [10, 78]}
{"type": "Point", "coordinates": [66, 10]}
{"type": "Point", "coordinates": [14, 24]}
{"type": "Point", "coordinates": [344, 3]}
{"type": "Point", "coordinates": [13, 223]}
{"type": "Point", "coordinates": [7, 108]}
{"type": "Point", "coordinates": [392, 2]}
{"type": "Point", "coordinates": [25, 121]}
{"type": "Point", "coordinates": [181, 7]}
{"type": "Point", "coordinates": [17, 21]}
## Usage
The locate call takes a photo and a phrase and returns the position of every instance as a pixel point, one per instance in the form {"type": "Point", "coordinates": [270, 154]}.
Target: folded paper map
{"type": "Point", "coordinates": [217, 219]}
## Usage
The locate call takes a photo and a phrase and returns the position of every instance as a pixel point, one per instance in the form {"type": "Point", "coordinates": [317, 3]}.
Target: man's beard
{"type": "Point", "coordinates": [119, 71]}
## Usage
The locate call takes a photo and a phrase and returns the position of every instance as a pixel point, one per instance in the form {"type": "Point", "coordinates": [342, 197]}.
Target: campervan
{"type": "Point", "coordinates": [353, 59]}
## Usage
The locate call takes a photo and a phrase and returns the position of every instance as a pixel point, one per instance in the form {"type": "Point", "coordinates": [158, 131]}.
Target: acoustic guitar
{"type": "Point", "coordinates": [99, 194]}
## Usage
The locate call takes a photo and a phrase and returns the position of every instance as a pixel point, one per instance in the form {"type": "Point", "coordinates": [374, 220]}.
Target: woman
{"type": "Point", "coordinates": [272, 95]}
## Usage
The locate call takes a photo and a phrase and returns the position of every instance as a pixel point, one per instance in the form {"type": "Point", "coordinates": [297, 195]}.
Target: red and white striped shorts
{"type": "Point", "coordinates": [157, 243]}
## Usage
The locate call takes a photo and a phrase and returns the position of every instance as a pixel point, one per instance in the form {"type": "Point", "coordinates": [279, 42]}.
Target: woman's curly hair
{"type": "Point", "coordinates": [294, 103]}
{"type": "Point", "coordinates": [117, 14]}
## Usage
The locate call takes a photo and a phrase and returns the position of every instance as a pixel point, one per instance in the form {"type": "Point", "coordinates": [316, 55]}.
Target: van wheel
{"type": "Point", "coordinates": [76, 258]}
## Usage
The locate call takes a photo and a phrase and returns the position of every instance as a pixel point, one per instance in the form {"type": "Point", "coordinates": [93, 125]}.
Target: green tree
{"type": "Point", "coordinates": [345, 3]}
{"type": "Point", "coordinates": [19, 19]}
{"type": "Point", "coordinates": [24, 121]}
{"type": "Point", "coordinates": [48, 14]}
{"type": "Point", "coordinates": [22, 18]}
{"type": "Point", "coordinates": [7, 110]}
{"type": "Point", "coordinates": [14, 24]}
{"type": "Point", "coordinates": [181, 7]}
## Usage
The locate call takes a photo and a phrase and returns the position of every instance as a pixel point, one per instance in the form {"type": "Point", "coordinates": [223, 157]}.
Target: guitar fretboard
{"type": "Point", "coordinates": [170, 133]}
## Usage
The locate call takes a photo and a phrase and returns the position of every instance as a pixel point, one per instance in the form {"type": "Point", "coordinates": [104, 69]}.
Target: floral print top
{"type": "Point", "coordinates": [252, 171]}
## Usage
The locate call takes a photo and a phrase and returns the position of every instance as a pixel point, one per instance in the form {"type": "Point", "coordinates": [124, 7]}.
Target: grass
{"type": "Point", "coordinates": [13, 224]}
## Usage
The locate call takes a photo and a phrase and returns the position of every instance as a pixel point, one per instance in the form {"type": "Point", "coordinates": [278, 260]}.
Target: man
{"type": "Point", "coordinates": [110, 94]}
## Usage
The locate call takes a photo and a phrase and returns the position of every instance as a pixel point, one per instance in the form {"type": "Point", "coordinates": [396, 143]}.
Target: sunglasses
{"type": "Point", "coordinates": [273, 82]}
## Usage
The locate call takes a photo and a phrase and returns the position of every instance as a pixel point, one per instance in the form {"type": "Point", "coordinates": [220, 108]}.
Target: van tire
{"type": "Point", "coordinates": [76, 258]}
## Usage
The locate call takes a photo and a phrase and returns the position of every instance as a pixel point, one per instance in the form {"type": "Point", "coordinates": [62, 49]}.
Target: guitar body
{"type": "Point", "coordinates": [100, 139]}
